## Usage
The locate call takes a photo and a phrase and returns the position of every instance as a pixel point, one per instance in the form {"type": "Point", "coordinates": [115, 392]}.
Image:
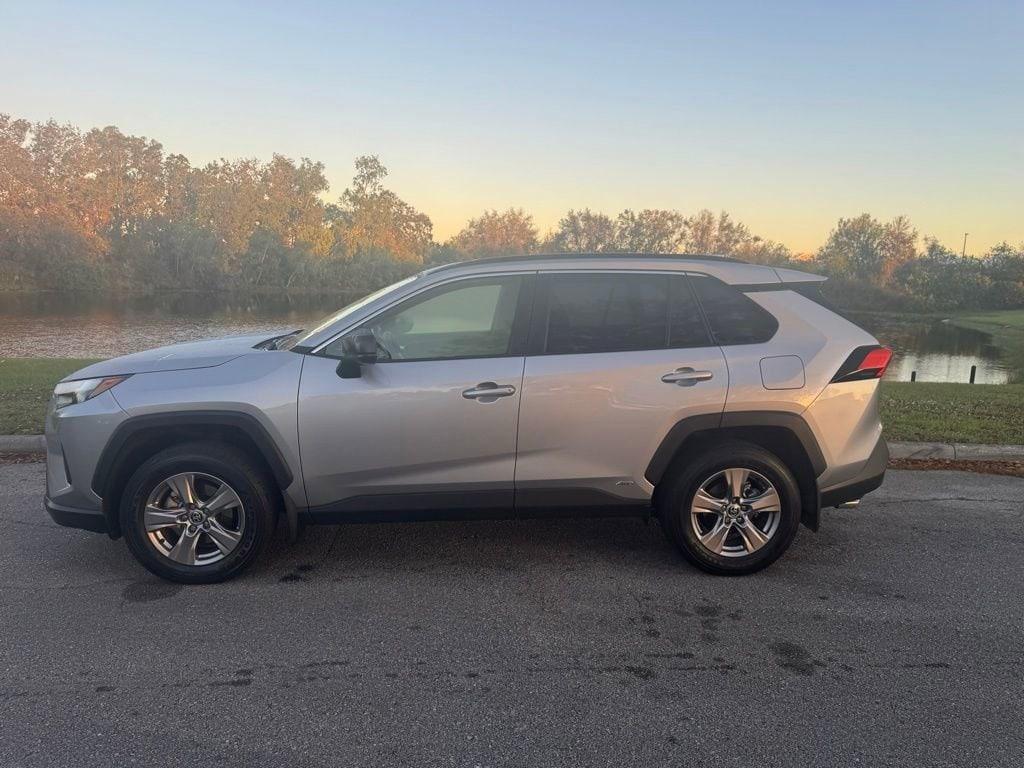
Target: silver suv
{"type": "Point", "coordinates": [722, 397]}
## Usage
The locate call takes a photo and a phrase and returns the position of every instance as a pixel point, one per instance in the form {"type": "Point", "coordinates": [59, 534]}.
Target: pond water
{"type": "Point", "coordinates": [936, 350]}
{"type": "Point", "coordinates": [87, 325]}
{"type": "Point", "coordinates": [83, 325]}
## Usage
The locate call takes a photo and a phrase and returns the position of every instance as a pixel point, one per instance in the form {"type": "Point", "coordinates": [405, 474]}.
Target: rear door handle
{"type": "Point", "coordinates": [488, 391]}
{"type": "Point", "coordinates": [687, 377]}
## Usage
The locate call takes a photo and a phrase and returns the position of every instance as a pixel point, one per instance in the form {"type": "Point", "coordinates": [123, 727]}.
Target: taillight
{"type": "Point", "coordinates": [864, 363]}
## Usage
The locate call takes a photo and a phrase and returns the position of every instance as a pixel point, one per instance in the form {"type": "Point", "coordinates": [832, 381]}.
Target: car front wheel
{"type": "Point", "coordinates": [198, 513]}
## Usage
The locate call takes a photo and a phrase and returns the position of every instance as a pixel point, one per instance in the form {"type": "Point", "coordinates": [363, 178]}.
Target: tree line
{"type": "Point", "coordinates": [102, 210]}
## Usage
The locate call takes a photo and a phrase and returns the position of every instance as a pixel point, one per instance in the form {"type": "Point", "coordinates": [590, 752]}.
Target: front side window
{"type": "Point", "coordinates": [617, 312]}
{"type": "Point", "coordinates": [348, 309]}
{"type": "Point", "coordinates": [467, 318]}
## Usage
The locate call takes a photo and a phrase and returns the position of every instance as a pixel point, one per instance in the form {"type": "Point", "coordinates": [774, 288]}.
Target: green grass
{"type": "Point", "coordinates": [953, 413]}
{"type": "Point", "coordinates": [1007, 330]}
{"type": "Point", "coordinates": [25, 389]}
{"type": "Point", "coordinates": [1004, 318]}
{"type": "Point", "coordinates": [947, 413]}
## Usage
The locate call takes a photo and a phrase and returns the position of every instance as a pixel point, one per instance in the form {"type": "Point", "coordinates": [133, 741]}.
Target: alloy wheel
{"type": "Point", "coordinates": [735, 512]}
{"type": "Point", "coordinates": [194, 518]}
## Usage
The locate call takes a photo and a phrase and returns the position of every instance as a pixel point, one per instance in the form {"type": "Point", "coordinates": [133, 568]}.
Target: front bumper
{"type": "Point", "coordinates": [866, 480]}
{"type": "Point", "coordinates": [74, 517]}
{"type": "Point", "coordinates": [75, 437]}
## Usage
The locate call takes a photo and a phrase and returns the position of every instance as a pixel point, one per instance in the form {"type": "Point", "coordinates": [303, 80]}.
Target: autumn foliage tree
{"type": "Point", "coordinates": [104, 210]}
{"type": "Point", "coordinates": [494, 233]}
{"type": "Point", "coordinates": [661, 231]}
{"type": "Point", "coordinates": [864, 248]}
{"type": "Point", "coordinates": [369, 217]}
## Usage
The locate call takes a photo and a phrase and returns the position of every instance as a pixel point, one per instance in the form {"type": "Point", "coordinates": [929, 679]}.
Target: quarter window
{"type": "Point", "coordinates": [734, 317]}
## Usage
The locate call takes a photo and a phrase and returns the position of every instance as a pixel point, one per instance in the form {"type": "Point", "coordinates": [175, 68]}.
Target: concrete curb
{"type": "Point", "coordinates": [22, 444]}
{"type": "Point", "coordinates": [956, 451]}
{"type": "Point", "coordinates": [897, 450]}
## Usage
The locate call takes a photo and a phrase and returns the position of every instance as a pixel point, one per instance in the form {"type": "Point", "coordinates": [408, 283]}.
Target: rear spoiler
{"type": "Point", "coordinates": [787, 280]}
{"type": "Point", "coordinates": [790, 276]}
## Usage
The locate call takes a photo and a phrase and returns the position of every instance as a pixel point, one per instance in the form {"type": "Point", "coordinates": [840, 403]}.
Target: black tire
{"type": "Point", "coordinates": [255, 490]}
{"type": "Point", "coordinates": [687, 477]}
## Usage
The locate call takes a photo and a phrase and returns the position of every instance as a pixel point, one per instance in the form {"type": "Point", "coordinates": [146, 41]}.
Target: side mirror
{"type": "Point", "coordinates": [362, 345]}
{"type": "Point", "coordinates": [358, 349]}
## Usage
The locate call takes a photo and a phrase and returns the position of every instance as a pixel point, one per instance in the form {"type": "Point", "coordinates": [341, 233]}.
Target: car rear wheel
{"type": "Point", "coordinates": [732, 511]}
{"type": "Point", "coordinates": [198, 513]}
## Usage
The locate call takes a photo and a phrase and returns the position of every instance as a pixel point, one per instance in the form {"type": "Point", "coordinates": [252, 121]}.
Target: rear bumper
{"type": "Point", "coordinates": [72, 517]}
{"type": "Point", "coordinates": [868, 479]}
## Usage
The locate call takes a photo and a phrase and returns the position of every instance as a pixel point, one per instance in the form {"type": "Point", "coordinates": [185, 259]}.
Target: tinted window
{"type": "Point", "coordinates": [467, 318]}
{"type": "Point", "coordinates": [618, 313]}
{"type": "Point", "coordinates": [734, 317]}
{"type": "Point", "coordinates": [686, 324]}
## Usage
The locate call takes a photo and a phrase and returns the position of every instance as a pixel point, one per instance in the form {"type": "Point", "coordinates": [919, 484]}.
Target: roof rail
{"type": "Point", "coordinates": [571, 256]}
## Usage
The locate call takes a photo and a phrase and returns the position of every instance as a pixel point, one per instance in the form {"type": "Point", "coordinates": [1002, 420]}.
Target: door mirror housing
{"type": "Point", "coordinates": [362, 345]}
{"type": "Point", "coordinates": [358, 348]}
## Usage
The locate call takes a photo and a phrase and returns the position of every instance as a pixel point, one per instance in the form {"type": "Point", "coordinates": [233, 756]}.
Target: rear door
{"type": "Point", "coordinates": [615, 360]}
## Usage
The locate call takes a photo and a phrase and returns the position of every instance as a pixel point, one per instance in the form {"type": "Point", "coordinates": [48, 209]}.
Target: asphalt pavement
{"type": "Point", "coordinates": [894, 636]}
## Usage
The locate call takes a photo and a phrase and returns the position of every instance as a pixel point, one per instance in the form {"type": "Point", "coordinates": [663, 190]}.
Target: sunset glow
{"type": "Point", "coordinates": [788, 116]}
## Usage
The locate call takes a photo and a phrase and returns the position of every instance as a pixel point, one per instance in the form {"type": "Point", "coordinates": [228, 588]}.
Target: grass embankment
{"type": "Point", "coordinates": [953, 413]}
{"type": "Point", "coordinates": [947, 413]}
{"type": "Point", "coordinates": [1007, 330]}
{"type": "Point", "coordinates": [25, 389]}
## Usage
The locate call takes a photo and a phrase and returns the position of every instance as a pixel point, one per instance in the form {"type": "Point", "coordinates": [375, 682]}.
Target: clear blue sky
{"type": "Point", "coordinates": [788, 115]}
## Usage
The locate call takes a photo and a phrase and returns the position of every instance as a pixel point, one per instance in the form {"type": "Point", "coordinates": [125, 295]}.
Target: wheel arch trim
{"type": "Point", "coordinates": [118, 447]}
{"type": "Point", "coordinates": [686, 428]}
{"type": "Point", "coordinates": [674, 442]}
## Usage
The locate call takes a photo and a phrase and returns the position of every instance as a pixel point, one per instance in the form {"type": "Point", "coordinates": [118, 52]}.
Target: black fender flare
{"type": "Point", "coordinates": [120, 444]}
{"type": "Point", "coordinates": [691, 425]}
{"type": "Point", "coordinates": [791, 422]}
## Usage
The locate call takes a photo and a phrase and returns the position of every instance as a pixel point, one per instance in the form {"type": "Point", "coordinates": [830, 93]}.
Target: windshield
{"type": "Point", "coordinates": [349, 309]}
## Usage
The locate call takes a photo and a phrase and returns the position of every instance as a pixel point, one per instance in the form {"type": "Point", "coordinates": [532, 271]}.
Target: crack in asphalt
{"type": "Point", "coordinates": [788, 657]}
{"type": "Point", "coordinates": [924, 500]}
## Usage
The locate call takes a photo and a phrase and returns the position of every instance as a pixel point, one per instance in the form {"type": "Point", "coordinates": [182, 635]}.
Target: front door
{"type": "Point", "coordinates": [432, 424]}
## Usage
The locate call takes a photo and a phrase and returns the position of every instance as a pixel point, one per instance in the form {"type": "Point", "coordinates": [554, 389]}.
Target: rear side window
{"type": "Point", "coordinates": [589, 313]}
{"type": "Point", "coordinates": [686, 325]}
{"type": "Point", "coordinates": [734, 317]}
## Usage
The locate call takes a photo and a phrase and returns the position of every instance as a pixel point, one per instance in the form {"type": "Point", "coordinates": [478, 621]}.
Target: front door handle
{"type": "Point", "coordinates": [488, 391]}
{"type": "Point", "coordinates": [687, 377]}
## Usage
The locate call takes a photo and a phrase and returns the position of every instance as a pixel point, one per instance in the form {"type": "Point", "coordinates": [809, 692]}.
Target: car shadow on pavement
{"type": "Point", "coordinates": [344, 551]}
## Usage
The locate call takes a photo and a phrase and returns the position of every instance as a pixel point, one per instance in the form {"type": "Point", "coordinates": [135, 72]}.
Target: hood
{"type": "Point", "coordinates": [176, 357]}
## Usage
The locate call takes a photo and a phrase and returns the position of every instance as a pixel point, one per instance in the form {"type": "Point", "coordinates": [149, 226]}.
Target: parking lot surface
{"type": "Point", "coordinates": [894, 636]}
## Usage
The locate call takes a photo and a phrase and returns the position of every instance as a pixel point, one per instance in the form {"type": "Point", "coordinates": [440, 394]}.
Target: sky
{"type": "Point", "coordinates": [787, 115]}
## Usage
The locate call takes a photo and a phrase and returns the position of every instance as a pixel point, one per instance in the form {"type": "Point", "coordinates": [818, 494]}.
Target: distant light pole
{"type": "Point", "coordinates": [963, 253]}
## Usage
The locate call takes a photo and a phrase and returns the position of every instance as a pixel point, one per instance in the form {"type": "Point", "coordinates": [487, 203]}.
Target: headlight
{"type": "Point", "coordinates": [71, 392]}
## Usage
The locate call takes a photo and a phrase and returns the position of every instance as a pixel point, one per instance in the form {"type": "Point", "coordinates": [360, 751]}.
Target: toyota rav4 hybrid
{"type": "Point", "coordinates": [721, 397]}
